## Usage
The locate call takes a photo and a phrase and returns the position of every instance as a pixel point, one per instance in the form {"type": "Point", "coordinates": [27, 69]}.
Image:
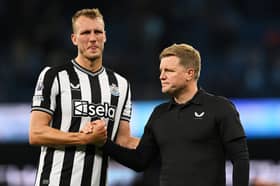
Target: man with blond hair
{"type": "Point", "coordinates": [192, 133]}
{"type": "Point", "coordinates": [70, 96]}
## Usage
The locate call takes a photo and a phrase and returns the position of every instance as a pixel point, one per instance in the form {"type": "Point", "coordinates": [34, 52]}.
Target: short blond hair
{"type": "Point", "coordinates": [90, 13]}
{"type": "Point", "coordinates": [188, 56]}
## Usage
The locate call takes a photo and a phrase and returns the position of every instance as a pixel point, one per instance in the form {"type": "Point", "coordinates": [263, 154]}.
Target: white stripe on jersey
{"type": "Point", "coordinates": [105, 88]}
{"type": "Point", "coordinates": [105, 98]}
{"type": "Point", "coordinates": [66, 101]}
{"type": "Point", "coordinates": [65, 124]}
{"type": "Point", "coordinates": [127, 106]}
{"type": "Point", "coordinates": [78, 164]}
{"type": "Point", "coordinates": [86, 95]}
{"type": "Point", "coordinates": [96, 173]}
{"type": "Point", "coordinates": [56, 167]}
{"type": "Point", "coordinates": [39, 89]}
{"type": "Point", "coordinates": [41, 163]}
{"type": "Point", "coordinates": [54, 92]}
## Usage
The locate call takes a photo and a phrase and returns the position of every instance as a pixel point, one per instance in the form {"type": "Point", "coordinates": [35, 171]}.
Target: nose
{"type": "Point", "coordinates": [162, 75]}
{"type": "Point", "coordinates": [92, 36]}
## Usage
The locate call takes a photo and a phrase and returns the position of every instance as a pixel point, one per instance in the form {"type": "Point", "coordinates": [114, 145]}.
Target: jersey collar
{"type": "Point", "coordinates": [87, 71]}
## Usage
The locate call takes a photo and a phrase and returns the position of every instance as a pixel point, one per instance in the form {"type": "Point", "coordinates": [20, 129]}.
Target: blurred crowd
{"type": "Point", "coordinates": [239, 41]}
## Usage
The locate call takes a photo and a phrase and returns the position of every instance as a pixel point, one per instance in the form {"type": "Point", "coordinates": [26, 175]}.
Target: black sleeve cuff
{"type": "Point", "coordinates": [238, 153]}
{"type": "Point", "coordinates": [128, 157]}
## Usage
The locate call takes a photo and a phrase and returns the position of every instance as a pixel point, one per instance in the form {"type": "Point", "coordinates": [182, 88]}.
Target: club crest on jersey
{"type": "Point", "coordinates": [114, 90]}
{"type": "Point", "coordinates": [85, 109]}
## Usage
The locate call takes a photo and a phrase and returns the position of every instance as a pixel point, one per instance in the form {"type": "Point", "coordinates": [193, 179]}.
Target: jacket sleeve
{"type": "Point", "coordinates": [237, 152]}
{"type": "Point", "coordinates": [137, 159]}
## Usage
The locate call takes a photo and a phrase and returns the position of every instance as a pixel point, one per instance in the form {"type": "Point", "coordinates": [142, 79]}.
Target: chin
{"type": "Point", "coordinates": [96, 54]}
{"type": "Point", "coordinates": [164, 90]}
{"type": "Point", "coordinates": [93, 58]}
{"type": "Point", "coordinates": [168, 91]}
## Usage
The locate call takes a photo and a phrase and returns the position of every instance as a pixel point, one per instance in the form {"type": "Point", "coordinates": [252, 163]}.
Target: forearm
{"type": "Point", "coordinates": [128, 142]}
{"type": "Point", "coordinates": [124, 137]}
{"type": "Point", "coordinates": [48, 136]}
{"type": "Point", "coordinates": [133, 142]}
{"type": "Point", "coordinates": [132, 158]}
{"type": "Point", "coordinates": [41, 133]}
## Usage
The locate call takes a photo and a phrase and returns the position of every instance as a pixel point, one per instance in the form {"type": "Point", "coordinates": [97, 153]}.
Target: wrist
{"type": "Point", "coordinates": [82, 138]}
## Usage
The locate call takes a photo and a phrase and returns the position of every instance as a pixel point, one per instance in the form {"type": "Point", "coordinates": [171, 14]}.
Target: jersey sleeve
{"type": "Point", "coordinates": [126, 112]}
{"type": "Point", "coordinates": [44, 98]}
{"type": "Point", "coordinates": [230, 124]}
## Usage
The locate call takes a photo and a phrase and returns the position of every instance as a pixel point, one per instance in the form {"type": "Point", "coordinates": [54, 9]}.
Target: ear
{"type": "Point", "coordinates": [105, 37]}
{"type": "Point", "coordinates": [74, 39]}
{"type": "Point", "coordinates": [190, 74]}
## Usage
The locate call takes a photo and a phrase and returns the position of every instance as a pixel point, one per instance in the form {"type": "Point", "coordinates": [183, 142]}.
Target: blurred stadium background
{"type": "Point", "coordinates": [239, 41]}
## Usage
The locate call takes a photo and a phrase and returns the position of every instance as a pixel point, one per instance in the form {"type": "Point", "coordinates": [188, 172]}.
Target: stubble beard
{"type": "Point", "coordinates": [94, 58]}
{"type": "Point", "coordinates": [91, 58]}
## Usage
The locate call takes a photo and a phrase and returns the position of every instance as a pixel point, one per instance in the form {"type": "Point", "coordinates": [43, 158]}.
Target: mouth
{"type": "Point", "coordinates": [164, 84]}
{"type": "Point", "coordinates": [92, 48]}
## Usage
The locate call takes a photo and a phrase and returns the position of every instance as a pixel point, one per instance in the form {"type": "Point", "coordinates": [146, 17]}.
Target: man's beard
{"type": "Point", "coordinates": [91, 58]}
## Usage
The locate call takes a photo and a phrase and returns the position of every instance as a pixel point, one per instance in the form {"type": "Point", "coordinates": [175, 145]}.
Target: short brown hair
{"type": "Point", "coordinates": [189, 56]}
{"type": "Point", "coordinates": [91, 13]}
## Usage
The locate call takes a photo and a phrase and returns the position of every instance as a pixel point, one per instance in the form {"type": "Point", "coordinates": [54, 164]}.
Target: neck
{"type": "Point", "coordinates": [186, 94]}
{"type": "Point", "coordinates": [91, 65]}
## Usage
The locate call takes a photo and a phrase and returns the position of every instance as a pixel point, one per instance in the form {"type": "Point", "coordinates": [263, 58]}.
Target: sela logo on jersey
{"type": "Point", "coordinates": [86, 109]}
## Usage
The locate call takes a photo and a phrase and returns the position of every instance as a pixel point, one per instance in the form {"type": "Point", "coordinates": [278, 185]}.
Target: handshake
{"type": "Point", "coordinates": [94, 132]}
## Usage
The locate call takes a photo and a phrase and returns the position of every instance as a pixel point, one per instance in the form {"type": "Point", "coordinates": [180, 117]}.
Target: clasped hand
{"type": "Point", "coordinates": [96, 132]}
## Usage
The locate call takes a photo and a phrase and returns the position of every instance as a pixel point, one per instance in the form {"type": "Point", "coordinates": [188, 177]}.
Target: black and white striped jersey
{"type": "Point", "coordinates": [75, 96]}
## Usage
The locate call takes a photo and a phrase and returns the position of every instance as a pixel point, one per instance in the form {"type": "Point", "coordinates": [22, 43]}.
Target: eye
{"type": "Point", "coordinates": [98, 31]}
{"type": "Point", "coordinates": [86, 32]}
{"type": "Point", "coordinates": [169, 70]}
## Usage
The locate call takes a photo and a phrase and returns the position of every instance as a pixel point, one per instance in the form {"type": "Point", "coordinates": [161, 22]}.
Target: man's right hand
{"type": "Point", "coordinates": [95, 132]}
